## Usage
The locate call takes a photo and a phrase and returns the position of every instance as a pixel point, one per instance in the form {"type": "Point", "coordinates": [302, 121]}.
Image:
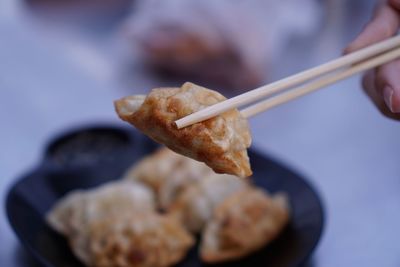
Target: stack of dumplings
{"type": "Point", "coordinates": [151, 216]}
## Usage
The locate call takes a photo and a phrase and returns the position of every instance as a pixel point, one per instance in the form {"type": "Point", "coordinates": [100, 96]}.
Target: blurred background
{"type": "Point", "coordinates": [62, 63]}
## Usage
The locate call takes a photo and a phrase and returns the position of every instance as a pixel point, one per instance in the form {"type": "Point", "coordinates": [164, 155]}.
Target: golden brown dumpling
{"type": "Point", "coordinates": [153, 170]}
{"type": "Point", "coordinates": [195, 206]}
{"type": "Point", "coordinates": [68, 213]}
{"type": "Point", "coordinates": [243, 223]}
{"type": "Point", "coordinates": [220, 142]}
{"type": "Point", "coordinates": [138, 240]}
{"type": "Point", "coordinates": [78, 208]}
{"type": "Point", "coordinates": [167, 174]}
{"type": "Point", "coordinates": [74, 214]}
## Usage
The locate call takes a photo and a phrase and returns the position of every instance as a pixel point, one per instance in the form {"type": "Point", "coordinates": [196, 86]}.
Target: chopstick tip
{"type": "Point", "coordinates": [178, 124]}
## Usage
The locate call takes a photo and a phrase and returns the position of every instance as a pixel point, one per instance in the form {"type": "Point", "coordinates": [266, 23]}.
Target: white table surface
{"type": "Point", "coordinates": [335, 137]}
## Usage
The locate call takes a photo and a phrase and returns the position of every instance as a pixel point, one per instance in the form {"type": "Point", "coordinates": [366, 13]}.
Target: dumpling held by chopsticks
{"type": "Point", "coordinates": [220, 142]}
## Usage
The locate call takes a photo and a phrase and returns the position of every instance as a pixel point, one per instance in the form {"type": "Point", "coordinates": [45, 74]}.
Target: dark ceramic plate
{"type": "Point", "coordinates": [87, 157]}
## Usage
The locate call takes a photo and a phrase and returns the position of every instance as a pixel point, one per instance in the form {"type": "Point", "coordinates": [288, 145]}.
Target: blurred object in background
{"type": "Point", "coordinates": [92, 14]}
{"type": "Point", "coordinates": [224, 44]}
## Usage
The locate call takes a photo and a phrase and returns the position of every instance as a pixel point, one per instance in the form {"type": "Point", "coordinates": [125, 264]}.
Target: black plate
{"type": "Point", "coordinates": [87, 157]}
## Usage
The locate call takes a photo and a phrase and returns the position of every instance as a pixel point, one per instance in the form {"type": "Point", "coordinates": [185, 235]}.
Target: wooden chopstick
{"type": "Point", "coordinates": [320, 83]}
{"type": "Point", "coordinates": [281, 85]}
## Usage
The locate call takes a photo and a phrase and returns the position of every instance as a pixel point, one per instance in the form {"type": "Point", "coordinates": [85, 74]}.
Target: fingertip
{"type": "Point", "coordinates": [377, 96]}
{"type": "Point", "coordinates": [384, 25]}
{"type": "Point", "coordinates": [387, 82]}
{"type": "Point", "coordinates": [365, 38]}
{"type": "Point", "coordinates": [395, 104]}
{"type": "Point", "coordinates": [387, 94]}
{"type": "Point", "coordinates": [349, 49]}
{"type": "Point", "coordinates": [392, 99]}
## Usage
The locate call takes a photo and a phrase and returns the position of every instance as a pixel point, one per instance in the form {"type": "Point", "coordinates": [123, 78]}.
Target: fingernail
{"type": "Point", "coordinates": [388, 97]}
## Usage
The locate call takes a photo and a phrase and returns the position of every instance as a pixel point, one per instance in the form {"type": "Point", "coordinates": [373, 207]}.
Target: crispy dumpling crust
{"type": "Point", "coordinates": [78, 208]}
{"type": "Point", "coordinates": [243, 223]}
{"type": "Point", "coordinates": [167, 174]}
{"type": "Point", "coordinates": [138, 240]}
{"type": "Point", "coordinates": [220, 142]}
{"type": "Point", "coordinates": [67, 214]}
{"type": "Point", "coordinates": [74, 214]}
{"type": "Point", "coordinates": [195, 206]}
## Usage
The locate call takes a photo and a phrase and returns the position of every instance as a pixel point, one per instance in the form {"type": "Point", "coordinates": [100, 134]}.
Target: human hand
{"type": "Point", "coordinates": [382, 84]}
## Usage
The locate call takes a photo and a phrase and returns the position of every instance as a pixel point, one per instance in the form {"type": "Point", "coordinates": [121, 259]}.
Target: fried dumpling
{"type": "Point", "coordinates": [167, 174]}
{"type": "Point", "coordinates": [80, 207]}
{"type": "Point", "coordinates": [73, 215]}
{"type": "Point", "coordinates": [243, 223]}
{"type": "Point", "coordinates": [195, 206]}
{"type": "Point", "coordinates": [152, 170]}
{"type": "Point", "coordinates": [148, 240]}
{"type": "Point", "coordinates": [220, 142]}
{"type": "Point", "coordinates": [68, 213]}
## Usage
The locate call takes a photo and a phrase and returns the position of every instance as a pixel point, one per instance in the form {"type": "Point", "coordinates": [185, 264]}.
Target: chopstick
{"type": "Point", "coordinates": [318, 84]}
{"type": "Point", "coordinates": [281, 85]}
